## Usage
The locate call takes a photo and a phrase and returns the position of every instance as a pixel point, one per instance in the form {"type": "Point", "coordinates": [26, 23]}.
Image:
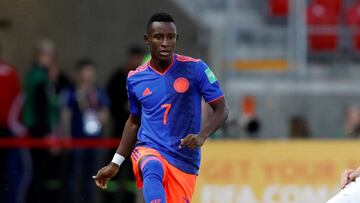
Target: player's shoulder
{"type": "Point", "coordinates": [138, 70]}
{"type": "Point", "coordinates": [186, 59]}
{"type": "Point", "coordinates": [197, 64]}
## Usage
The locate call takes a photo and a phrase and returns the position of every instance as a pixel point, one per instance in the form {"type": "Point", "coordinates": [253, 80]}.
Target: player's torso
{"type": "Point", "coordinates": [171, 100]}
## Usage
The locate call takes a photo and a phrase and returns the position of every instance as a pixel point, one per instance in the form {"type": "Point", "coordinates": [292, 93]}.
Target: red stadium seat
{"type": "Point", "coordinates": [335, 5]}
{"type": "Point", "coordinates": [323, 32]}
{"type": "Point", "coordinates": [321, 14]}
{"type": "Point", "coordinates": [353, 22]}
{"type": "Point", "coordinates": [278, 8]}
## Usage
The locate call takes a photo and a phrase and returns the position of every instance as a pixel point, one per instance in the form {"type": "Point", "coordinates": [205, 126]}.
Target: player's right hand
{"type": "Point", "coordinates": [104, 175]}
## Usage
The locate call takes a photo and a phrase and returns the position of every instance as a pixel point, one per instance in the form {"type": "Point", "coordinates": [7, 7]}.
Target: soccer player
{"type": "Point", "coordinates": [350, 187]}
{"type": "Point", "coordinates": [163, 129]}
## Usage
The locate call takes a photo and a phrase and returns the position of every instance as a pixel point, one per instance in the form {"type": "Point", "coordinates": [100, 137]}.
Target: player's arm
{"type": "Point", "coordinates": [125, 147]}
{"type": "Point", "coordinates": [129, 136]}
{"type": "Point", "coordinates": [220, 114]}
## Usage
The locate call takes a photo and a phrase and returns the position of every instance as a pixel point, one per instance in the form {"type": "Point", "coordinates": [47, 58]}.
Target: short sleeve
{"type": "Point", "coordinates": [208, 83]}
{"type": "Point", "coordinates": [135, 108]}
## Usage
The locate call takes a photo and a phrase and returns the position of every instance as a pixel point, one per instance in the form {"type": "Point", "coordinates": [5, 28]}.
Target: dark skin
{"type": "Point", "coordinates": [161, 39]}
{"type": "Point", "coordinates": [125, 147]}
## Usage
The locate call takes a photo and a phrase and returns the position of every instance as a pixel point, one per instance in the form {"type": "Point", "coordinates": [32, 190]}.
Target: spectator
{"type": "Point", "coordinates": [85, 110]}
{"type": "Point", "coordinates": [41, 113]}
{"type": "Point", "coordinates": [352, 122]}
{"type": "Point", "coordinates": [117, 92]}
{"type": "Point", "coordinates": [116, 89]}
{"type": "Point", "coordinates": [298, 128]}
{"type": "Point", "coordinates": [248, 120]}
{"type": "Point", "coordinates": [13, 176]}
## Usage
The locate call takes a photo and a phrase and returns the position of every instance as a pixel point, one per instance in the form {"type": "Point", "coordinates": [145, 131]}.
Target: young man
{"type": "Point", "coordinates": [119, 111]}
{"type": "Point", "coordinates": [84, 111]}
{"type": "Point", "coordinates": [350, 187]}
{"type": "Point", "coordinates": [165, 105]}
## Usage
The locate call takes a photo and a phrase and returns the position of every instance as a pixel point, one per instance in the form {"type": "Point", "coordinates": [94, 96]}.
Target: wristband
{"type": "Point", "coordinates": [118, 159]}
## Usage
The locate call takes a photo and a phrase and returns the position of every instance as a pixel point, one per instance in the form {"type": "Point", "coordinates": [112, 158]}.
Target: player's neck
{"type": "Point", "coordinates": [159, 65]}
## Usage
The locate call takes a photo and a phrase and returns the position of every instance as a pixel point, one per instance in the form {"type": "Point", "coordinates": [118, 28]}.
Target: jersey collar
{"type": "Point", "coordinates": [166, 70]}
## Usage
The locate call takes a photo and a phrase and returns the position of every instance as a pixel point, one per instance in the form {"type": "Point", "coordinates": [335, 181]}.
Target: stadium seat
{"type": "Point", "coordinates": [335, 5]}
{"type": "Point", "coordinates": [278, 8]}
{"type": "Point", "coordinates": [323, 22]}
{"type": "Point", "coordinates": [353, 23]}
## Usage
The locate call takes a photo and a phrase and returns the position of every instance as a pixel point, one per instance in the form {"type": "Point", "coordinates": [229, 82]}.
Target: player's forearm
{"type": "Point", "coordinates": [129, 136]}
{"type": "Point", "coordinates": [215, 121]}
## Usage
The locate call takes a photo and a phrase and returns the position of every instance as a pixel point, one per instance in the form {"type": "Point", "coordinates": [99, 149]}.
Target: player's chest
{"type": "Point", "coordinates": [164, 89]}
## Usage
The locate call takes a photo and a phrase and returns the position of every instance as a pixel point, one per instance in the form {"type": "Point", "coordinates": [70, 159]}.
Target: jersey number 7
{"type": "Point", "coordinates": [167, 109]}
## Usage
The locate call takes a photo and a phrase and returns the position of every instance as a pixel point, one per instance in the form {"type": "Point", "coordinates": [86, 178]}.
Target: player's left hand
{"type": "Point", "coordinates": [192, 141]}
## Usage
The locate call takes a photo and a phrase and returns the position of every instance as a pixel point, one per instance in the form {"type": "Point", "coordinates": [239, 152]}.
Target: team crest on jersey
{"type": "Point", "coordinates": [181, 85]}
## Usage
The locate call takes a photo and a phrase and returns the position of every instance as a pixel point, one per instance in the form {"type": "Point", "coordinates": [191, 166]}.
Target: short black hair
{"type": "Point", "coordinates": [160, 17]}
{"type": "Point", "coordinates": [80, 64]}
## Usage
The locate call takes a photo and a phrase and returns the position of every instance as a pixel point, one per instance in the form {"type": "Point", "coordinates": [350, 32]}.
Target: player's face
{"type": "Point", "coordinates": [161, 38]}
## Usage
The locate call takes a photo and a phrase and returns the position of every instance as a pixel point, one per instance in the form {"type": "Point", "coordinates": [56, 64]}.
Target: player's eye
{"type": "Point", "coordinates": [172, 36]}
{"type": "Point", "coordinates": [158, 37]}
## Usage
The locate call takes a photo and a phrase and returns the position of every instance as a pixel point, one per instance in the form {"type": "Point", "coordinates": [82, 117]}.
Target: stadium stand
{"type": "Point", "coordinates": [278, 8]}
{"type": "Point", "coordinates": [353, 25]}
{"type": "Point", "coordinates": [323, 21]}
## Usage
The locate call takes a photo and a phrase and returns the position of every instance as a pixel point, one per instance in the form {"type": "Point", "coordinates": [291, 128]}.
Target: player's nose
{"type": "Point", "coordinates": [165, 42]}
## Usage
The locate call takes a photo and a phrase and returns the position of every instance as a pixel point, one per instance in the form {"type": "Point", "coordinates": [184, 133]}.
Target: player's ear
{"type": "Point", "coordinates": [177, 37]}
{"type": "Point", "coordinates": [146, 38]}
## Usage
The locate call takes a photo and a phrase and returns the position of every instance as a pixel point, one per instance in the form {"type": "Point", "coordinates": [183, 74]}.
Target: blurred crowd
{"type": "Point", "coordinates": [49, 103]}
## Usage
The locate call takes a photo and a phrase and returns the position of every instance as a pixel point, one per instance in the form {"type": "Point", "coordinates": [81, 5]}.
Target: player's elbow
{"type": "Point", "coordinates": [225, 113]}
{"type": "Point", "coordinates": [222, 113]}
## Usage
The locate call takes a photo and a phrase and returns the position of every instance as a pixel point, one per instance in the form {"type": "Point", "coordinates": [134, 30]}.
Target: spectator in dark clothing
{"type": "Point", "coordinates": [43, 83]}
{"type": "Point", "coordinates": [84, 111]}
{"type": "Point", "coordinates": [41, 115]}
{"type": "Point", "coordinates": [117, 92]}
{"type": "Point", "coordinates": [299, 128]}
{"type": "Point", "coordinates": [116, 89]}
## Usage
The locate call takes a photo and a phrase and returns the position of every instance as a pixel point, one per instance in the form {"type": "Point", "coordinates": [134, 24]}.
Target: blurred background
{"type": "Point", "coordinates": [290, 70]}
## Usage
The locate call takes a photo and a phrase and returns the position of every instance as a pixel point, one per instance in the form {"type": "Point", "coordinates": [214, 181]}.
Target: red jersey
{"type": "Point", "coordinates": [9, 89]}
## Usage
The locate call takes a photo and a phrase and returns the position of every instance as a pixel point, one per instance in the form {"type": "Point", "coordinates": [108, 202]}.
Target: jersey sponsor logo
{"type": "Point", "coordinates": [210, 75]}
{"type": "Point", "coordinates": [146, 92]}
{"type": "Point", "coordinates": [181, 85]}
